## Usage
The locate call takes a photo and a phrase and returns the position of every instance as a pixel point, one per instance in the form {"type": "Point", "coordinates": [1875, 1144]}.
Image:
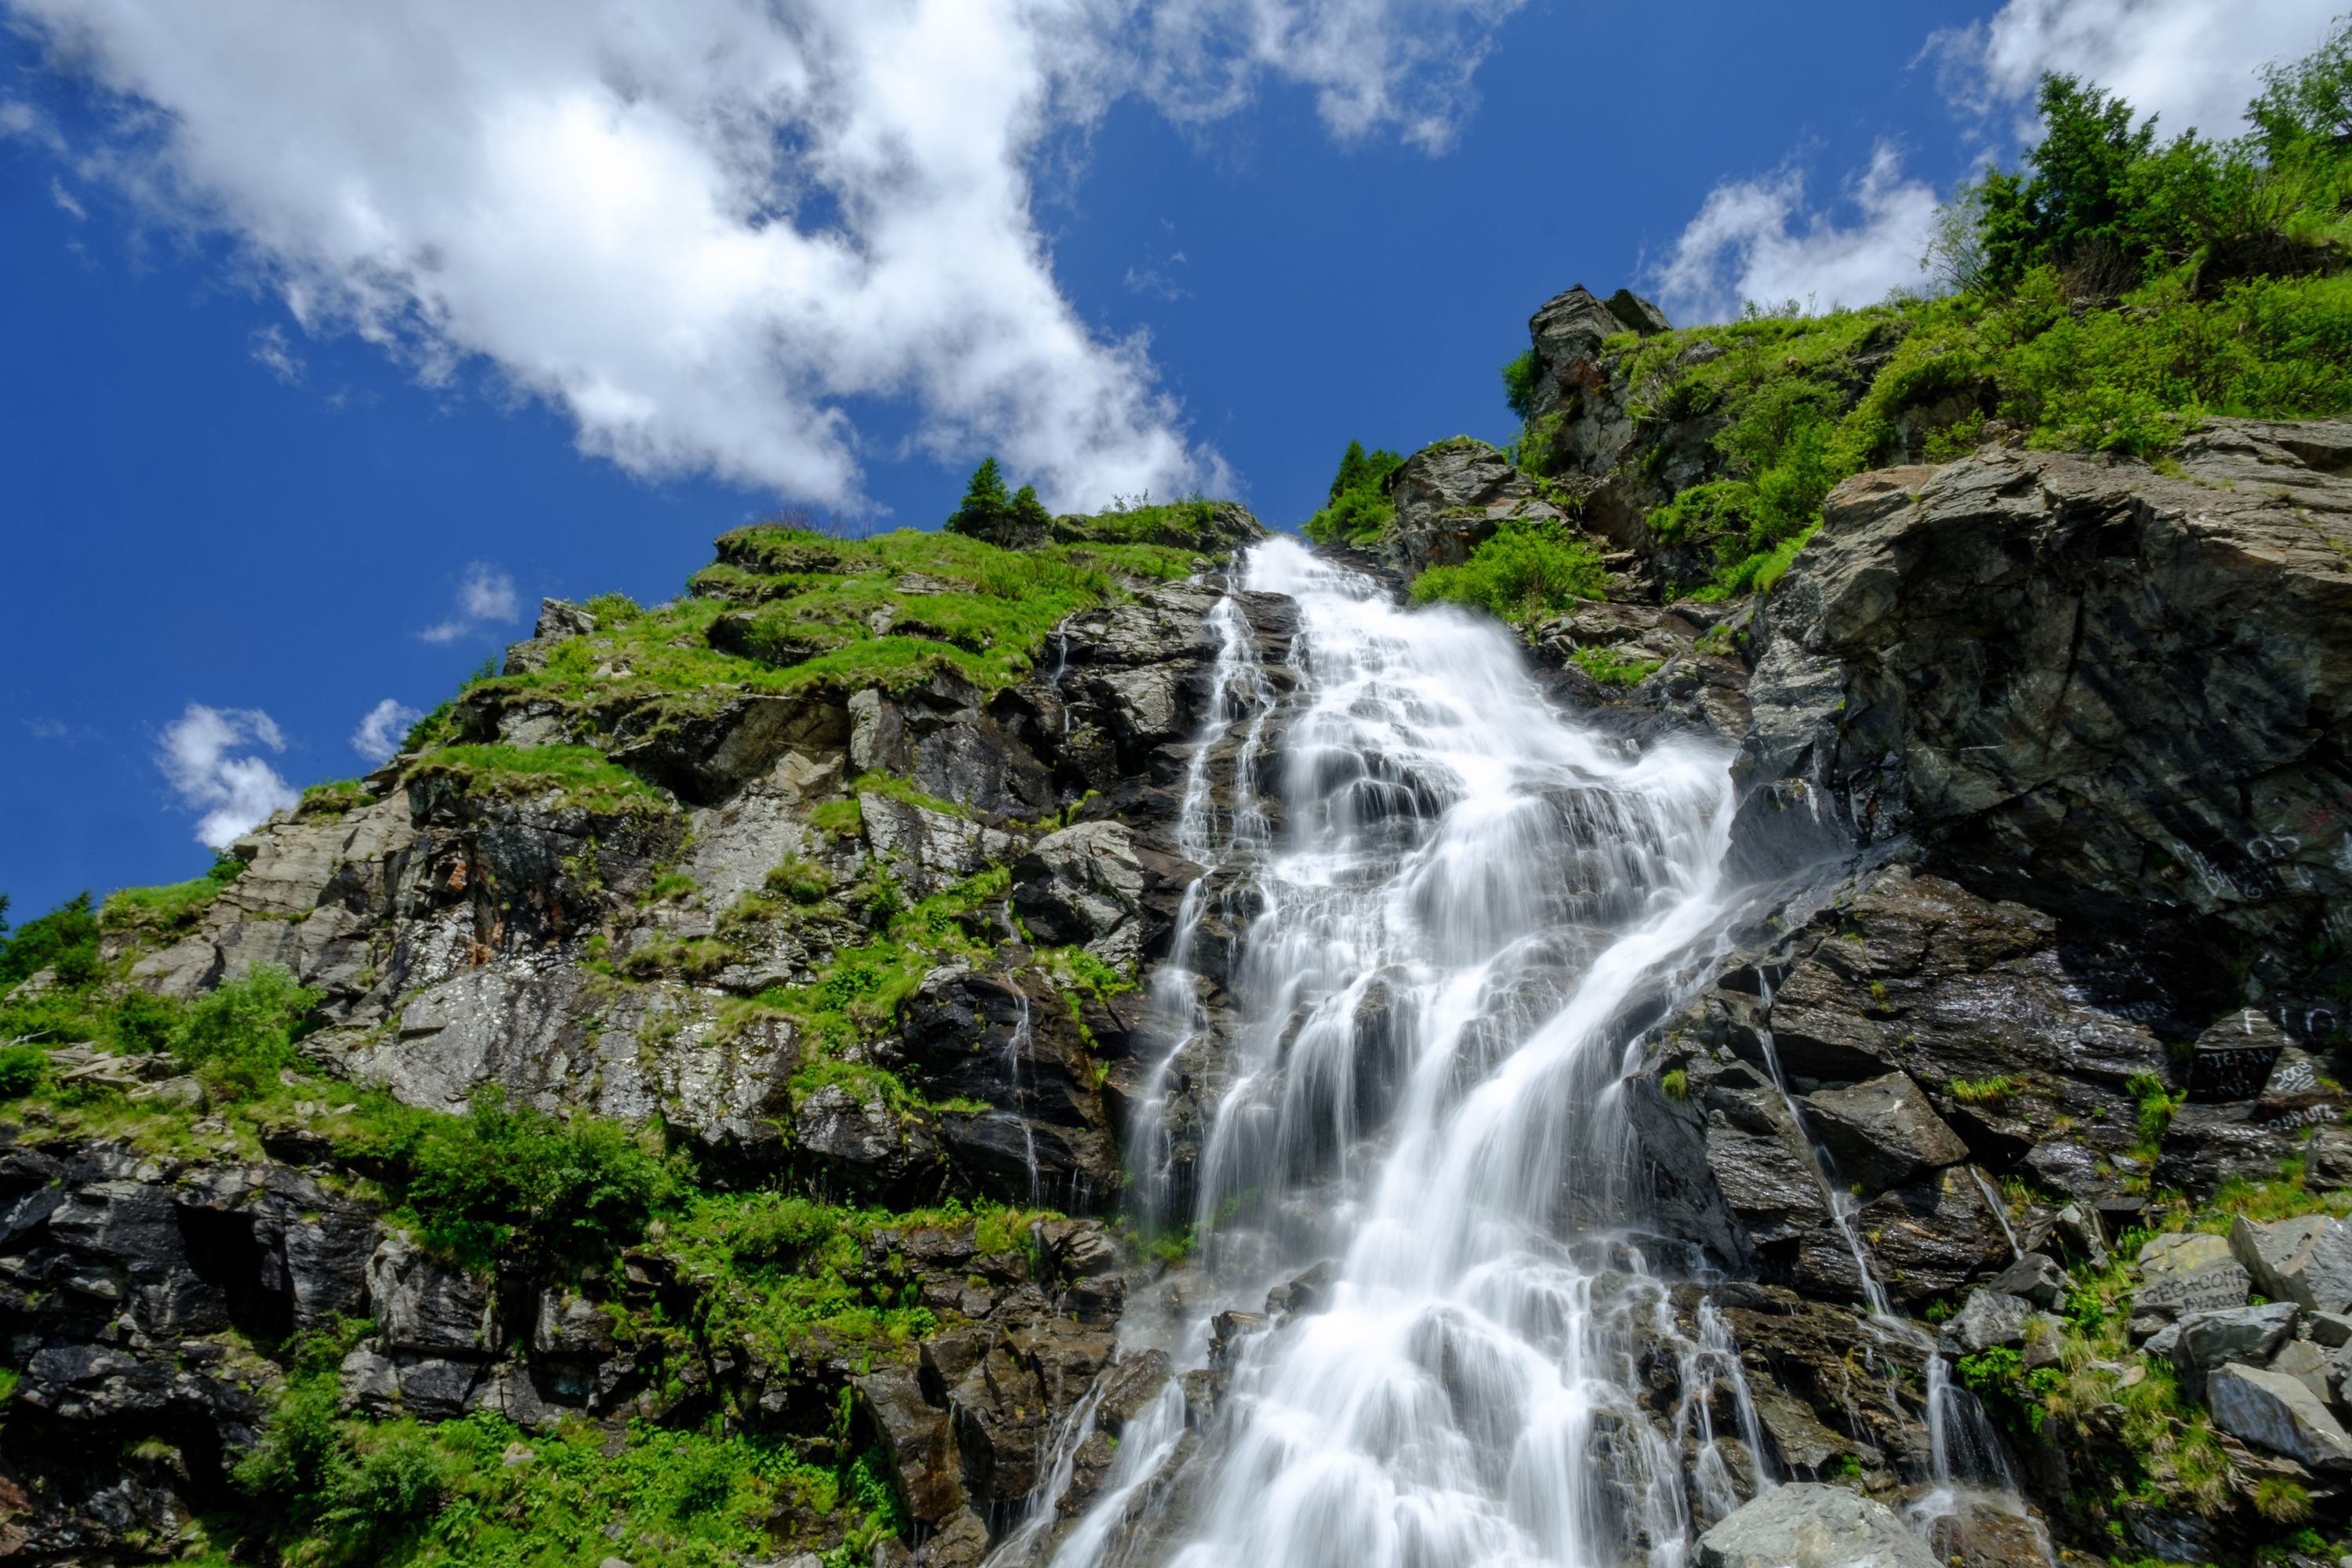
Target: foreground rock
{"type": "Point", "coordinates": [1807, 1525]}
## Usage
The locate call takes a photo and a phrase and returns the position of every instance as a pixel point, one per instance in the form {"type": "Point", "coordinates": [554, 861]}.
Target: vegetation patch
{"type": "Point", "coordinates": [1359, 510]}
{"type": "Point", "coordinates": [583, 774]}
{"type": "Point", "coordinates": [1531, 571]}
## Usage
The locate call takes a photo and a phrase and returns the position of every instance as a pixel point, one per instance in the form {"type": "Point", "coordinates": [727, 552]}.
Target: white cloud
{"type": "Point", "coordinates": [381, 731]}
{"type": "Point", "coordinates": [234, 793]}
{"type": "Point", "coordinates": [1755, 239]}
{"type": "Point", "coordinates": [65, 201]}
{"type": "Point", "coordinates": [2195, 63]}
{"type": "Point", "coordinates": [1374, 64]}
{"type": "Point", "coordinates": [485, 596]}
{"type": "Point", "coordinates": [697, 227]}
{"type": "Point", "coordinates": [268, 347]}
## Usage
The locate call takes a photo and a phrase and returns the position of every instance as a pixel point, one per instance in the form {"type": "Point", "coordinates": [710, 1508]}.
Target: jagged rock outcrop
{"type": "Point", "coordinates": [2114, 694]}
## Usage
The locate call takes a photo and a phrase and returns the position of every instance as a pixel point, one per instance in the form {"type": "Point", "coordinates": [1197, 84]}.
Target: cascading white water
{"type": "Point", "coordinates": [1471, 901]}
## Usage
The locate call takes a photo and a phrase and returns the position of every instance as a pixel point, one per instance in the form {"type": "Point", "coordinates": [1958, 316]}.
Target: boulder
{"type": "Point", "coordinates": [2309, 1365]}
{"type": "Point", "coordinates": [2274, 1411]}
{"type": "Point", "coordinates": [2327, 1159]}
{"type": "Point", "coordinates": [1988, 1317]}
{"type": "Point", "coordinates": [2200, 1341]}
{"type": "Point", "coordinates": [2035, 1277]}
{"type": "Point", "coordinates": [1882, 1132]}
{"type": "Point", "coordinates": [2208, 1287]}
{"type": "Point", "coordinates": [2180, 1252]}
{"type": "Point", "coordinates": [2306, 1260]}
{"type": "Point", "coordinates": [1808, 1525]}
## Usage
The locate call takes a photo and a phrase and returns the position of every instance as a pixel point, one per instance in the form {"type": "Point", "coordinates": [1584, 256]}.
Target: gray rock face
{"type": "Point", "coordinates": [2205, 1288]}
{"type": "Point", "coordinates": [1449, 498]}
{"type": "Point", "coordinates": [1096, 886]}
{"type": "Point", "coordinates": [423, 1304]}
{"type": "Point", "coordinates": [1807, 1525]}
{"type": "Point", "coordinates": [2274, 1411]}
{"type": "Point", "coordinates": [1962, 647]}
{"type": "Point", "coordinates": [2306, 1260]}
{"type": "Point", "coordinates": [1882, 1132]}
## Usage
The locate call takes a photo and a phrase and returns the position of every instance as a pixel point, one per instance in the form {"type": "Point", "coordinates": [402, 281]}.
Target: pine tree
{"type": "Point", "coordinates": [985, 503]}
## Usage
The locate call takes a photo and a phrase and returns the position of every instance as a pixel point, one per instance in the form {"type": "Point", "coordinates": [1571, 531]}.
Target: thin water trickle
{"type": "Point", "coordinates": [1016, 1051]}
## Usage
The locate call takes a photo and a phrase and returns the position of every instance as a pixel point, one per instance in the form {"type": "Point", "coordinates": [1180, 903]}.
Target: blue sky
{"type": "Point", "coordinates": [217, 490]}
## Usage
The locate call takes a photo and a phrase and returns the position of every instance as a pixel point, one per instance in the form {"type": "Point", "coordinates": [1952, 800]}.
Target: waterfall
{"type": "Point", "coordinates": [1471, 907]}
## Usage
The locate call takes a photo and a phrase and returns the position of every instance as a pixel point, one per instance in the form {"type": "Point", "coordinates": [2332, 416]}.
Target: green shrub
{"type": "Point", "coordinates": [64, 939]}
{"type": "Point", "coordinates": [1610, 668]}
{"type": "Point", "coordinates": [238, 1038]}
{"type": "Point", "coordinates": [1519, 383]}
{"type": "Point", "coordinates": [509, 1187]}
{"type": "Point", "coordinates": [799, 879]}
{"type": "Point", "coordinates": [1527, 573]}
{"type": "Point", "coordinates": [1359, 509]}
{"type": "Point", "coordinates": [23, 1070]}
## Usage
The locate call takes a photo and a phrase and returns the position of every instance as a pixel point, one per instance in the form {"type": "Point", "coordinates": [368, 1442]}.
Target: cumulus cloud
{"type": "Point", "coordinates": [2191, 62]}
{"type": "Point", "coordinates": [486, 595]}
{"type": "Point", "coordinates": [199, 758]}
{"type": "Point", "coordinates": [1757, 239]}
{"type": "Point", "coordinates": [699, 227]}
{"type": "Point", "coordinates": [381, 730]}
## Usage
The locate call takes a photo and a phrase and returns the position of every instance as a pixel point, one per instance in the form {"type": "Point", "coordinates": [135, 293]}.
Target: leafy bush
{"type": "Point", "coordinates": [1358, 508]}
{"type": "Point", "coordinates": [23, 1069]}
{"type": "Point", "coordinates": [1519, 383]}
{"type": "Point", "coordinates": [238, 1038]}
{"type": "Point", "coordinates": [65, 940]}
{"type": "Point", "coordinates": [1529, 572]}
{"type": "Point", "coordinates": [516, 1187]}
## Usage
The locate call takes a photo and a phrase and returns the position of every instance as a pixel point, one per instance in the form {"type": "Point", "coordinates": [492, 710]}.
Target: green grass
{"type": "Point", "coordinates": [1983, 1091]}
{"type": "Point", "coordinates": [332, 798]}
{"type": "Point", "coordinates": [815, 604]}
{"type": "Point", "coordinates": [173, 907]}
{"type": "Point", "coordinates": [1529, 572]}
{"type": "Point", "coordinates": [582, 773]}
{"type": "Point", "coordinates": [1609, 667]}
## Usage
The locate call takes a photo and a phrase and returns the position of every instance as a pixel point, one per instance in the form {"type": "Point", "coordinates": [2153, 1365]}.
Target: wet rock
{"type": "Point", "coordinates": [2036, 1278]}
{"type": "Point", "coordinates": [2206, 1145]}
{"type": "Point", "coordinates": [2306, 1260]}
{"type": "Point", "coordinates": [1882, 1132]}
{"type": "Point", "coordinates": [1930, 1237]}
{"type": "Point", "coordinates": [1807, 1525]}
{"type": "Point", "coordinates": [2274, 1411]}
{"type": "Point", "coordinates": [1008, 1040]}
{"type": "Point", "coordinates": [1306, 1293]}
{"type": "Point", "coordinates": [2234, 1058]}
{"type": "Point", "coordinates": [2180, 1252]}
{"type": "Point", "coordinates": [1987, 1532]}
